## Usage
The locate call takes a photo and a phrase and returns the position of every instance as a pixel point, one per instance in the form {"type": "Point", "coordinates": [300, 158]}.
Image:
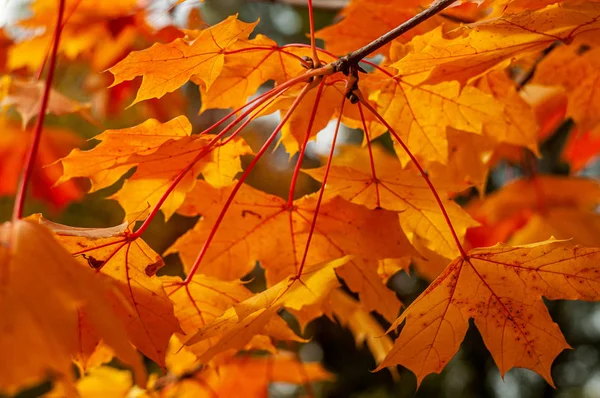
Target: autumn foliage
{"type": "Point", "coordinates": [457, 92]}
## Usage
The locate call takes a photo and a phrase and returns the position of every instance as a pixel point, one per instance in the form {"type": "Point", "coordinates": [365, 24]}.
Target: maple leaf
{"type": "Point", "coordinates": [104, 380]}
{"type": "Point", "coordinates": [248, 64]}
{"type": "Point", "coordinates": [55, 143]}
{"type": "Point", "coordinates": [100, 32]}
{"type": "Point", "coordinates": [420, 114]}
{"type": "Point", "coordinates": [251, 374]}
{"type": "Point", "coordinates": [131, 264]}
{"type": "Point", "coordinates": [203, 300]}
{"type": "Point", "coordinates": [157, 172]}
{"type": "Point", "coordinates": [576, 69]}
{"type": "Point", "coordinates": [475, 49]}
{"type": "Point", "coordinates": [326, 104]}
{"type": "Point", "coordinates": [162, 152]}
{"type": "Point", "coordinates": [26, 97]}
{"type": "Point", "coordinates": [361, 277]}
{"type": "Point", "coordinates": [562, 207]}
{"type": "Point", "coordinates": [580, 149]}
{"type": "Point", "coordinates": [255, 315]}
{"type": "Point", "coordinates": [470, 158]}
{"type": "Point", "coordinates": [363, 326]}
{"type": "Point", "coordinates": [104, 164]}
{"type": "Point", "coordinates": [374, 179]}
{"type": "Point", "coordinates": [263, 227]}
{"type": "Point", "coordinates": [501, 288]}
{"type": "Point", "coordinates": [166, 67]}
{"type": "Point", "coordinates": [42, 292]}
{"type": "Point", "coordinates": [366, 20]}
{"type": "Point", "coordinates": [519, 126]}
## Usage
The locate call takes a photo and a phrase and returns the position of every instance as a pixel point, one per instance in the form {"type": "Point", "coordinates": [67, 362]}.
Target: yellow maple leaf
{"type": "Point", "coordinates": [382, 184]}
{"type": "Point", "coordinates": [201, 301]}
{"type": "Point", "coordinates": [420, 114]}
{"type": "Point", "coordinates": [476, 48]}
{"type": "Point", "coordinates": [256, 315]}
{"type": "Point", "coordinates": [364, 327]}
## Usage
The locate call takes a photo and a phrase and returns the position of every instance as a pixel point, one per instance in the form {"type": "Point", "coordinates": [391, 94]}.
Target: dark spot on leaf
{"type": "Point", "coordinates": [92, 262]}
{"type": "Point", "coordinates": [250, 212]}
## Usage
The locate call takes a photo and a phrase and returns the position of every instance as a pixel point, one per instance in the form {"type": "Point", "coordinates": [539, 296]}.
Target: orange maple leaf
{"type": "Point", "coordinates": [101, 32]}
{"type": "Point", "coordinates": [366, 20]}
{"type": "Point", "coordinates": [581, 148]}
{"type": "Point", "coordinates": [166, 67]}
{"type": "Point", "coordinates": [55, 143]}
{"type": "Point", "coordinates": [43, 292]}
{"type": "Point", "coordinates": [532, 208]}
{"type": "Point", "coordinates": [104, 164]}
{"type": "Point", "coordinates": [501, 288]}
{"type": "Point", "coordinates": [162, 152]}
{"type": "Point", "coordinates": [251, 375]}
{"type": "Point", "coordinates": [262, 227]}
{"type": "Point", "coordinates": [249, 64]}
{"type": "Point", "coordinates": [576, 68]}
{"type": "Point", "coordinates": [131, 265]}
{"type": "Point", "coordinates": [420, 114]}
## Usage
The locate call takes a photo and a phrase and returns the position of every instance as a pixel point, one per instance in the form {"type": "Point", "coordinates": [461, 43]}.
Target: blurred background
{"type": "Point", "coordinates": [471, 373]}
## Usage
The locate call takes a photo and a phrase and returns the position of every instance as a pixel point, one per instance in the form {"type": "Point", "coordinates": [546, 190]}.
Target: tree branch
{"type": "Point", "coordinates": [353, 58]}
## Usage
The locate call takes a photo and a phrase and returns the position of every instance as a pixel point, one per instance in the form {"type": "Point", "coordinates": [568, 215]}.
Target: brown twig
{"type": "Point", "coordinates": [345, 63]}
{"type": "Point", "coordinates": [37, 135]}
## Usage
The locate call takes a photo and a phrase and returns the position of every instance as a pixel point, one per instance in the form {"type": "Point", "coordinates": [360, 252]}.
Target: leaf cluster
{"type": "Point", "coordinates": [470, 87]}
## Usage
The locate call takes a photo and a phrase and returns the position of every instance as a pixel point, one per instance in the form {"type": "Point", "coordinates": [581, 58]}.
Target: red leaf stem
{"type": "Point", "coordinates": [37, 135]}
